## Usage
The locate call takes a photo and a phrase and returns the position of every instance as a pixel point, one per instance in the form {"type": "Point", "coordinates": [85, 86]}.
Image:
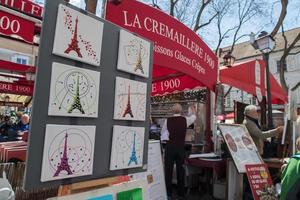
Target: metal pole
{"type": "Point", "coordinates": [208, 132]}
{"type": "Point", "coordinates": [269, 95]}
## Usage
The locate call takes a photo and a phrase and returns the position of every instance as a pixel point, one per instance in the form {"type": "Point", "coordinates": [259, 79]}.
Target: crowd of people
{"type": "Point", "coordinates": [13, 127]}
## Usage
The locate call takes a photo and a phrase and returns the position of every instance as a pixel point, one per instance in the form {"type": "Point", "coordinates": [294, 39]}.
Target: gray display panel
{"type": "Point", "coordinates": [104, 123]}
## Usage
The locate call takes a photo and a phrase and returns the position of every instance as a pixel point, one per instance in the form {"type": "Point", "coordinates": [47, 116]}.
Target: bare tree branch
{"type": "Point", "coordinates": [172, 6]}
{"type": "Point", "coordinates": [155, 5]}
{"type": "Point", "coordinates": [294, 53]}
{"type": "Point", "coordinates": [282, 61]}
{"type": "Point", "coordinates": [246, 11]}
{"type": "Point", "coordinates": [228, 92]}
{"type": "Point", "coordinates": [202, 7]}
{"type": "Point", "coordinates": [296, 86]}
{"type": "Point", "coordinates": [208, 22]}
{"type": "Point", "coordinates": [281, 18]}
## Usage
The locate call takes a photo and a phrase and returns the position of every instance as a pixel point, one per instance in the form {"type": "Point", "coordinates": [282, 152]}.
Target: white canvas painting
{"type": "Point", "coordinates": [127, 147]}
{"type": "Point", "coordinates": [78, 36]}
{"type": "Point", "coordinates": [68, 151]}
{"type": "Point", "coordinates": [130, 100]}
{"type": "Point", "coordinates": [134, 54]}
{"type": "Point", "coordinates": [74, 92]}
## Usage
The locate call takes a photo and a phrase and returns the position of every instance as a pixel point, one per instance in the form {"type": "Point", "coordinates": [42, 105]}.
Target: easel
{"type": "Point", "coordinates": [89, 185]}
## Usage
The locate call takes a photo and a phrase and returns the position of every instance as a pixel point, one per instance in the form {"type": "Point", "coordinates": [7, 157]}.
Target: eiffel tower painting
{"type": "Point", "coordinates": [139, 65]}
{"type": "Point", "coordinates": [64, 165]}
{"type": "Point", "coordinates": [128, 106]}
{"type": "Point", "coordinates": [76, 101]}
{"type": "Point", "coordinates": [133, 157]}
{"type": "Point", "coordinates": [73, 46]}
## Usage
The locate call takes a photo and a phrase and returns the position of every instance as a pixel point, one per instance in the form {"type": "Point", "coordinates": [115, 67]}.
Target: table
{"type": "Point", "coordinates": [274, 162]}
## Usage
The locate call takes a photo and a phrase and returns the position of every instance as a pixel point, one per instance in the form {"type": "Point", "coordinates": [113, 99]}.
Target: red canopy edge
{"type": "Point", "coordinates": [245, 75]}
{"type": "Point", "coordinates": [174, 84]}
{"type": "Point", "coordinates": [15, 67]}
{"type": "Point", "coordinates": [177, 49]}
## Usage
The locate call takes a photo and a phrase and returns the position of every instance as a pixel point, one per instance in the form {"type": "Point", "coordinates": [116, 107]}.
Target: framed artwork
{"type": "Point", "coordinates": [131, 189]}
{"type": "Point", "coordinates": [130, 100]}
{"type": "Point", "coordinates": [68, 151]}
{"type": "Point", "coordinates": [134, 194]}
{"type": "Point", "coordinates": [74, 92]}
{"type": "Point", "coordinates": [127, 147]}
{"type": "Point", "coordinates": [134, 54]}
{"type": "Point", "coordinates": [73, 41]}
{"type": "Point", "coordinates": [241, 146]}
{"type": "Point", "coordinates": [105, 197]}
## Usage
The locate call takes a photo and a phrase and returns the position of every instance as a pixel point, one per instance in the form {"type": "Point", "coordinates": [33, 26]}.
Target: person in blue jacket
{"type": "Point", "coordinates": [23, 125]}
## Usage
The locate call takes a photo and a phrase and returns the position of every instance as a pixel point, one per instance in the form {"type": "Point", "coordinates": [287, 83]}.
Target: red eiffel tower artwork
{"type": "Point", "coordinates": [128, 106]}
{"type": "Point", "coordinates": [64, 165]}
{"type": "Point", "coordinates": [73, 46]}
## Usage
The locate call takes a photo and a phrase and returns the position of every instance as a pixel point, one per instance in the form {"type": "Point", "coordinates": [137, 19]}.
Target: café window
{"type": "Point", "coordinates": [21, 59]}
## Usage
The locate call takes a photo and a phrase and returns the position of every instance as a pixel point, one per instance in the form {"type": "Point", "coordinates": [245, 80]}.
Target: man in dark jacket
{"type": "Point", "coordinates": [174, 131]}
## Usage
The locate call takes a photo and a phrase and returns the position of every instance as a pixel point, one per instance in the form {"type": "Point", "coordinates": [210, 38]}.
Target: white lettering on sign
{"type": "Point", "coordinates": [5, 87]}
{"type": "Point", "coordinates": [198, 67]}
{"type": "Point", "coordinates": [24, 89]}
{"type": "Point", "coordinates": [171, 84]}
{"type": "Point", "coordinates": [159, 28]}
{"type": "Point", "coordinates": [6, 24]}
{"type": "Point", "coordinates": [24, 6]}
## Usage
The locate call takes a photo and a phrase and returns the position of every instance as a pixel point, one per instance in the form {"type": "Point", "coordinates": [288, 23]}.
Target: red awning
{"type": "Point", "coordinates": [20, 86]}
{"type": "Point", "coordinates": [15, 67]}
{"type": "Point", "coordinates": [250, 77]}
{"type": "Point", "coordinates": [181, 60]}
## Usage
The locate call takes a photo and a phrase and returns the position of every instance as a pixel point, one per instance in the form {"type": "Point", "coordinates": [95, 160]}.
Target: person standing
{"type": "Point", "coordinates": [254, 129]}
{"type": "Point", "coordinates": [174, 132]}
{"type": "Point", "coordinates": [258, 136]}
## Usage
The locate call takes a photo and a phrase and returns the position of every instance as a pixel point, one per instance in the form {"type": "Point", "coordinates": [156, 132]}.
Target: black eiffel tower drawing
{"type": "Point", "coordinates": [139, 65]}
{"type": "Point", "coordinates": [133, 157]}
{"type": "Point", "coordinates": [64, 165]}
{"type": "Point", "coordinates": [76, 100]}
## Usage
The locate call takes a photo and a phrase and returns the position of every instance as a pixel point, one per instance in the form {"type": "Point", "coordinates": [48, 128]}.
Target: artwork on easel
{"type": "Point", "coordinates": [134, 194]}
{"type": "Point", "coordinates": [134, 54]}
{"type": "Point", "coordinates": [73, 41]}
{"type": "Point", "coordinates": [68, 151]}
{"type": "Point", "coordinates": [127, 147]}
{"type": "Point", "coordinates": [130, 100]}
{"type": "Point", "coordinates": [74, 92]}
{"type": "Point", "coordinates": [105, 197]}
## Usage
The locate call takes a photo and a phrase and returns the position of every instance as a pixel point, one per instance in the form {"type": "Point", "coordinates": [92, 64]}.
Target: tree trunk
{"type": "Point", "coordinates": [91, 6]}
{"type": "Point", "coordinates": [284, 4]}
